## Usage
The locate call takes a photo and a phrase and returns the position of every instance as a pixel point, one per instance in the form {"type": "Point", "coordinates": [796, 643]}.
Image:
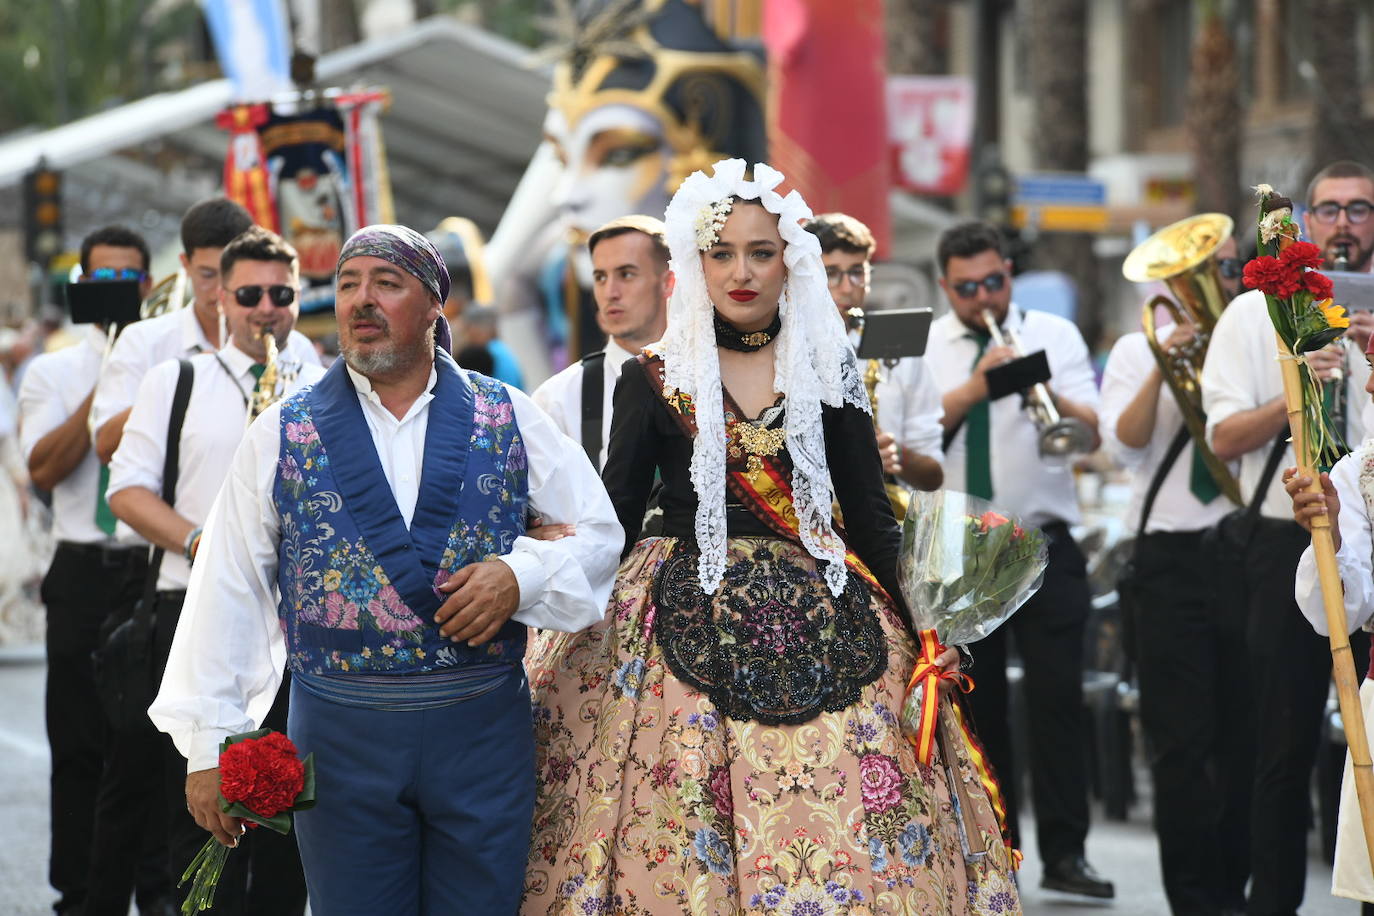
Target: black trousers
{"type": "Point", "coordinates": [85, 585]}
{"type": "Point", "coordinates": [130, 837]}
{"type": "Point", "coordinates": [1290, 667]}
{"type": "Point", "coordinates": [1049, 632]}
{"type": "Point", "coordinates": [263, 875]}
{"type": "Point", "coordinates": [1195, 708]}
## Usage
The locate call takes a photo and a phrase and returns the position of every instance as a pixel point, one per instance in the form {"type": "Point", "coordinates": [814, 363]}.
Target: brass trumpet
{"type": "Point", "coordinates": [1059, 435]}
{"type": "Point", "coordinates": [1181, 255]}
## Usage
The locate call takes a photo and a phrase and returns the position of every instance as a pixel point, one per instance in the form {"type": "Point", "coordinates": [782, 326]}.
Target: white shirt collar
{"type": "Point", "coordinates": [363, 385]}
{"type": "Point", "coordinates": [192, 336]}
{"type": "Point", "coordinates": [239, 363]}
{"type": "Point", "coordinates": [616, 354]}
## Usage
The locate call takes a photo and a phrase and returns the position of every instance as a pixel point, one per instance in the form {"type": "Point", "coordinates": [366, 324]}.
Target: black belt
{"type": "Point", "coordinates": [108, 555]}
{"type": "Point", "coordinates": [171, 595]}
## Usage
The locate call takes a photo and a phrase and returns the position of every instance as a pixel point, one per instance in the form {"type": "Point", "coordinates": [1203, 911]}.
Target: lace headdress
{"type": "Point", "coordinates": [813, 361]}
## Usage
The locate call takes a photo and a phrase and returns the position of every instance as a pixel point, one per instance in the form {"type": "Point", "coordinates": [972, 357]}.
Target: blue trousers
{"type": "Point", "coordinates": [419, 812]}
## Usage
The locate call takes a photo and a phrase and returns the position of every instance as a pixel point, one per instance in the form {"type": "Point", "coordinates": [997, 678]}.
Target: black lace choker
{"type": "Point", "coordinates": [732, 338]}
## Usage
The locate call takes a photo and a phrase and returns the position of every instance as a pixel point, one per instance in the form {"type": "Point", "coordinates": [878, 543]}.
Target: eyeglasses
{"type": "Point", "coordinates": [249, 296]}
{"type": "Point", "coordinates": [969, 288]}
{"type": "Point", "coordinates": [858, 276]}
{"type": "Point", "coordinates": [1230, 268]}
{"type": "Point", "coordinates": [111, 273]}
{"type": "Point", "coordinates": [1357, 211]}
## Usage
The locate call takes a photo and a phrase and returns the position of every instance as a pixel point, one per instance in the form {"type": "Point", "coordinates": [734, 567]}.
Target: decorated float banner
{"type": "Point", "coordinates": [315, 177]}
{"type": "Point", "coordinates": [930, 132]}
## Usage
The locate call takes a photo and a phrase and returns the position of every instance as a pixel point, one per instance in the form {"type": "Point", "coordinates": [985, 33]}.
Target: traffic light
{"type": "Point", "coordinates": [42, 215]}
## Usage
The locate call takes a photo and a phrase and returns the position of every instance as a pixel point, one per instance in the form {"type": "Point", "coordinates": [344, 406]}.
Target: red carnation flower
{"type": "Point", "coordinates": [1273, 276]}
{"type": "Point", "coordinates": [1302, 254]}
{"type": "Point", "coordinates": [263, 774]}
{"type": "Point", "coordinates": [1319, 285]}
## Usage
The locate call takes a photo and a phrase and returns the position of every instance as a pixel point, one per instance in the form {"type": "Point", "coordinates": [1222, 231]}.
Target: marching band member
{"type": "Point", "coordinates": [259, 298]}
{"type": "Point", "coordinates": [1242, 391]}
{"type": "Point", "coordinates": [369, 533]}
{"type": "Point", "coordinates": [909, 408]}
{"type": "Point", "coordinates": [994, 451]}
{"type": "Point", "coordinates": [631, 283]}
{"type": "Point", "coordinates": [1190, 654]}
{"type": "Point", "coordinates": [90, 577]}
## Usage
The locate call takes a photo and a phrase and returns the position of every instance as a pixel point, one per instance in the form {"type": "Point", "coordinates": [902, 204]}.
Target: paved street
{"type": "Point", "coordinates": [1124, 852]}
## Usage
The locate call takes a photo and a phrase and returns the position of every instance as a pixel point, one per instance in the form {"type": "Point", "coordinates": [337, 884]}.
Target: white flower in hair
{"type": "Point", "coordinates": [813, 361]}
{"type": "Point", "coordinates": [710, 220]}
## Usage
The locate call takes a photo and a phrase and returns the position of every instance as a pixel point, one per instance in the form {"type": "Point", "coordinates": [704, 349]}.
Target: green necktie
{"type": "Point", "coordinates": [978, 441]}
{"type": "Point", "coordinates": [257, 369]}
{"type": "Point", "coordinates": [104, 518]}
{"type": "Point", "coordinates": [1201, 481]}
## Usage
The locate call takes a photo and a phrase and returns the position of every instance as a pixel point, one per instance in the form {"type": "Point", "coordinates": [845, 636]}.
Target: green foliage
{"type": "Point", "coordinates": [63, 59]}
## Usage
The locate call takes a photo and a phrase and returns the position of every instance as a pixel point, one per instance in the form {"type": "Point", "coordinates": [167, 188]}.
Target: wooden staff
{"type": "Point", "coordinates": [1333, 599]}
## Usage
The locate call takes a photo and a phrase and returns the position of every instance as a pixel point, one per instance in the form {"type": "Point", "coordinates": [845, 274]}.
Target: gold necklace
{"type": "Point", "coordinates": [757, 442]}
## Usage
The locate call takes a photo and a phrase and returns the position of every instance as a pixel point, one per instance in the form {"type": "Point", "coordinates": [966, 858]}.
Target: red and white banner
{"type": "Point", "coordinates": [930, 130]}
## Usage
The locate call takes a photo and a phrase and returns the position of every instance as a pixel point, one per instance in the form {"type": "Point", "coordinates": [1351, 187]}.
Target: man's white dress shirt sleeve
{"type": "Point", "coordinates": [1353, 559]}
{"type": "Point", "coordinates": [138, 462]}
{"type": "Point", "coordinates": [917, 426]}
{"type": "Point", "coordinates": [118, 385]}
{"type": "Point", "coordinates": [229, 652]}
{"type": "Point", "coordinates": [564, 584]}
{"type": "Point", "coordinates": [1128, 366]}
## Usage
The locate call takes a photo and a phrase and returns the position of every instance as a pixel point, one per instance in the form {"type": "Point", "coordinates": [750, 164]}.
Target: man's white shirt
{"type": "Point", "coordinates": [561, 396]}
{"type": "Point", "coordinates": [228, 654]}
{"type": "Point", "coordinates": [909, 404]}
{"type": "Point", "coordinates": [216, 418]}
{"type": "Point", "coordinates": [1242, 372]}
{"type": "Point", "coordinates": [1037, 490]}
{"type": "Point", "coordinates": [53, 388]}
{"type": "Point", "coordinates": [144, 344]}
{"type": "Point", "coordinates": [1175, 507]}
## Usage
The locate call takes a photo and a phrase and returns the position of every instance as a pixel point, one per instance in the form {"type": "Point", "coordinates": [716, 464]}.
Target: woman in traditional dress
{"type": "Point", "coordinates": [727, 739]}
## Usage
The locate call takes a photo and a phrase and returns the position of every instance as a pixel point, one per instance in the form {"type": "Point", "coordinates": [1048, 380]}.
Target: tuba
{"type": "Point", "coordinates": [897, 494]}
{"type": "Point", "coordinates": [1180, 254]}
{"type": "Point", "coordinates": [1059, 435]}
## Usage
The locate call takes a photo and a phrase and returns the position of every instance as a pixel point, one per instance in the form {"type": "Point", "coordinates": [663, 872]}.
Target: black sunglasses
{"type": "Point", "coordinates": [249, 296]}
{"type": "Point", "coordinates": [969, 288]}
{"type": "Point", "coordinates": [1231, 268]}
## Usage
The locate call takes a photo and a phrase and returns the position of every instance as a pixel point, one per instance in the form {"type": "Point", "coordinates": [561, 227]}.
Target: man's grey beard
{"type": "Point", "coordinates": [379, 363]}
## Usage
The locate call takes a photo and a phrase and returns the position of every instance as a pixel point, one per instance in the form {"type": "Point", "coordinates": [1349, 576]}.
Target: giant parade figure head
{"type": "Point", "coordinates": [645, 92]}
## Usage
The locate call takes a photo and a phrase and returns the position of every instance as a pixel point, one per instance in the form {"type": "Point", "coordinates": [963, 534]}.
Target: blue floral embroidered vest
{"type": "Point", "coordinates": [358, 589]}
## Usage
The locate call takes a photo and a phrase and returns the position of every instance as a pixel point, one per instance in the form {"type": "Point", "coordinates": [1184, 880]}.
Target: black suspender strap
{"type": "Point", "coordinates": [1175, 449]}
{"type": "Point", "coordinates": [593, 392]}
{"type": "Point", "coordinates": [171, 467]}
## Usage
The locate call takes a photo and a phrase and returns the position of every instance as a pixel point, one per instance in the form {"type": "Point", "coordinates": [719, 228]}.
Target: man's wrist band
{"type": "Point", "coordinates": [192, 544]}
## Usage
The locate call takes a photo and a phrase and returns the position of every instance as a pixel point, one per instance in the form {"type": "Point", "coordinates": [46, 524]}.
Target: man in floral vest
{"type": "Point", "coordinates": [371, 536]}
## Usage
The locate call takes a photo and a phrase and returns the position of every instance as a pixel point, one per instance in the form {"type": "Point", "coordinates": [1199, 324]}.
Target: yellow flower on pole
{"type": "Point", "coordinates": [1334, 314]}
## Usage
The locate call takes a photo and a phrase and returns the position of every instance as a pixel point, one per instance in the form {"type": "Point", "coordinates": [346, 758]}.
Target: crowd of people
{"type": "Point", "coordinates": [608, 647]}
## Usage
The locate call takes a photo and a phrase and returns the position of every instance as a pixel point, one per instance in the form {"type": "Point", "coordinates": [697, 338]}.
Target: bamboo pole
{"type": "Point", "coordinates": [1333, 600]}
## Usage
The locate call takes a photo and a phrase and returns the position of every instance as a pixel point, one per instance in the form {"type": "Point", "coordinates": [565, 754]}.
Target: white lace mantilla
{"type": "Point", "coordinates": [813, 363]}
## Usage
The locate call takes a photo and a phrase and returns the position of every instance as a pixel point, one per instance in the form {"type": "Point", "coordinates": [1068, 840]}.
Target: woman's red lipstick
{"type": "Point", "coordinates": [743, 295]}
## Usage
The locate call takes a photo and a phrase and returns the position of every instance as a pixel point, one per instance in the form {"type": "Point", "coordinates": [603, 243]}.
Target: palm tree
{"type": "Point", "coordinates": [1214, 117]}
{"type": "Point", "coordinates": [1338, 93]}
{"type": "Point", "coordinates": [1058, 52]}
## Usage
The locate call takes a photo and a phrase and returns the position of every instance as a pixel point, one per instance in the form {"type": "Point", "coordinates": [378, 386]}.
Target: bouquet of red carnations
{"type": "Point", "coordinates": [262, 780]}
{"type": "Point", "coordinates": [964, 569]}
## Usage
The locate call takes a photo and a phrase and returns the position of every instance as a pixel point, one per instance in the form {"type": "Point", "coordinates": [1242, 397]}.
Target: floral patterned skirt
{"type": "Point", "coordinates": [650, 801]}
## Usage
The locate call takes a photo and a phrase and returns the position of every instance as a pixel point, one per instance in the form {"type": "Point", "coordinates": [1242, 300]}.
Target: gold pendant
{"type": "Point", "coordinates": [757, 442]}
{"type": "Point", "coordinates": [756, 339]}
